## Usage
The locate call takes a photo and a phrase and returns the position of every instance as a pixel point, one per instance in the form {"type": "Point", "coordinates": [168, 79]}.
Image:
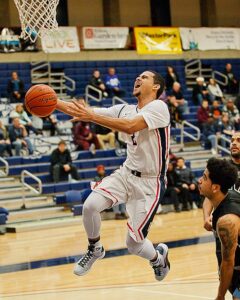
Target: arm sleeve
{"type": "Point", "coordinates": [156, 115]}
{"type": "Point", "coordinates": [113, 111]}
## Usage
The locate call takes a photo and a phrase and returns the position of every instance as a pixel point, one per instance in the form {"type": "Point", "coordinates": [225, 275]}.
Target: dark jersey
{"type": "Point", "coordinates": [236, 187]}
{"type": "Point", "coordinates": [230, 205]}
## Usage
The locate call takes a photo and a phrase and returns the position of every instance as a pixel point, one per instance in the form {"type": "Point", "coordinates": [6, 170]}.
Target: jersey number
{"type": "Point", "coordinates": [134, 140]}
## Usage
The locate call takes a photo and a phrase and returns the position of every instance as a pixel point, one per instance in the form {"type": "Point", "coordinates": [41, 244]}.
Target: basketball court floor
{"type": "Point", "coordinates": [39, 264]}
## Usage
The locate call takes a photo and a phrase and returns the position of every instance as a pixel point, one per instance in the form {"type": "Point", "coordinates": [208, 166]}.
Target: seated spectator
{"type": "Point", "coordinates": [176, 96]}
{"type": "Point", "coordinates": [84, 138]}
{"type": "Point", "coordinates": [233, 113]}
{"type": "Point", "coordinates": [20, 113]}
{"type": "Point", "coordinates": [225, 128]}
{"type": "Point", "coordinates": [119, 210]}
{"type": "Point", "coordinates": [202, 113]}
{"type": "Point", "coordinates": [15, 88]}
{"type": "Point", "coordinates": [215, 92]}
{"type": "Point", "coordinates": [209, 131]}
{"type": "Point", "coordinates": [19, 137]}
{"type": "Point", "coordinates": [97, 82]}
{"type": "Point", "coordinates": [188, 185]}
{"type": "Point", "coordinates": [215, 110]}
{"type": "Point", "coordinates": [200, 91]}
{"type": "Point", "coordinates": [232, 83]}
{"type": "Point", "coordinates": [113, 84]}
{"type": "Point", "coordinates": [5, 144]}
{"type": "Point", "coordinates": [50, 123]}
{"type": "Point", "coordinates": [61, 163]}
{"type": "Point", "coordinates": [105, 136]}
{"type": "Point", "coordinates": [171, 77]}
{"type": "Point", "coordinates": [173, 181]}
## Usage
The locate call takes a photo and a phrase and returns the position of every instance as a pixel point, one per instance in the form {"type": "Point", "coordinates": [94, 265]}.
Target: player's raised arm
{"type": "Point", "coordinates": [87, 114]}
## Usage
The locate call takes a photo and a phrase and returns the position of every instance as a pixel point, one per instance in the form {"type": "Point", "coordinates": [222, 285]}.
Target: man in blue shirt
{"type": "Point", "coordinates": [113, 84]}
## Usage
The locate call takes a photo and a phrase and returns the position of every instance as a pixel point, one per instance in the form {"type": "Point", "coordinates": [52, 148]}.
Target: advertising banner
{"type": "Point", "coordinates": [63, 40]}
{"type": "Point", "coordinates": [211, 38]}
{"type": "Point", "coordinates": [104, 37]}
{"type": "Point", "coordinates": [157, 40]}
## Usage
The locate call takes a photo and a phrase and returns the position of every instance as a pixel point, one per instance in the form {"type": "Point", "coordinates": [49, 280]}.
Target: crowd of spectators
{"type": "Point", "coordinates": [217, 115]}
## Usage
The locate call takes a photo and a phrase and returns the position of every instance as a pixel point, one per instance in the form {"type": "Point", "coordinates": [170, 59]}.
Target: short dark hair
{"type": "Point", "coordinates": [222, 172]}
{"type": "Point", "coordinates": [158, 79]}
{"type": "Point", "coordinates": [62, 142]}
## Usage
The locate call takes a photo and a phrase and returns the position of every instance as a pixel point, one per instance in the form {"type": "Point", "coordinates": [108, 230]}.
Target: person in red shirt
{"type": "Point", "coordinates": [83, 137]}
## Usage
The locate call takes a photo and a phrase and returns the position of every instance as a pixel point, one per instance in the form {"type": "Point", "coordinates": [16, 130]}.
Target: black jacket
{"type": "Point", "coordinates": [62, 158]}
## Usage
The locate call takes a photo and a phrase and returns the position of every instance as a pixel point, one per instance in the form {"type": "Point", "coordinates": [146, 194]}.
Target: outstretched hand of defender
{"type": "Point", "coordinates": [80, 112]}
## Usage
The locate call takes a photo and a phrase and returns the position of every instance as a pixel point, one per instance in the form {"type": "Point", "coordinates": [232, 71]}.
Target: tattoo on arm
{"type": "Point", "coordinates": [228, 235]}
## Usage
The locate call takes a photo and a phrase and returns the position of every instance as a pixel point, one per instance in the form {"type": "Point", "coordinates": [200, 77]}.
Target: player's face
{"type": "Point", "coordinates": [205, 185]}
{"type": "Point", "coordinates": [144, 84]}
{"type": "Point", "coordinates": [235, 145]}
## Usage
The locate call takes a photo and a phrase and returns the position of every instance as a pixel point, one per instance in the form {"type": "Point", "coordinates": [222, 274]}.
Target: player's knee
{"type": "Point", "coordinates": [133, 246]}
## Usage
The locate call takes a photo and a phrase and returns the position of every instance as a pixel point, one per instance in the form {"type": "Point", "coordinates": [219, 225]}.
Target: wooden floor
{"type": "Point", "coordinates": [193, 272]}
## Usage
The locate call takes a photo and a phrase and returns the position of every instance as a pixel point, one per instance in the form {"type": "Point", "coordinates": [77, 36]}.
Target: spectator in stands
{"type": "Point", "coordinates": [188, 187]}
{"type": "Point", "coordinates": [216, 110]}
{"type": "Point", "coordinates": [120, 210]}
{"type": "Point", "coordinates": [15, 88]}
{"type": "Point", "coordinates": [5, 144]}
{"type": "Point", "coordinates": [84, 138]}
{"type": "Point", "coordinates": [176, 96]}
{"type": "Point", "coordinates": [232, 83]}
{"type": "Point", "coordinates": [233, 113]}
{"type": "Point", "coordinates": [20, 113]}
{"type": "Point", "coordinates": [172, 158]}
{"type": "Point", "coordinates": [225, 128]}
{"type": "Point", "coordinates": [97, 82]}
{"type": "Point", "coordinates": [61, 163]}
{"type": "Point", "coordinates": [173, 182]}
{"type": "Point", "coordinates": [214, 90]}
{"type": "Point", "coordinates": [113, 84]}
{"type": "Point", "coordinates": [105, 136]}
{"type": "Point", "coordinates": [209, 131]}
{"type": "Point", "coordinates": [202, 113]}
{"type": "Point", "coordinates": [19, 137]}
{"type": "Point", "coordinates": [171, 77]}
{"type": "Point", "coordinates": [200, 91]}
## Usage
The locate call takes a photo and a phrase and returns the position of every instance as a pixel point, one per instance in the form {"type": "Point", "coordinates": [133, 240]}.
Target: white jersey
{"type": "Point", "coordinates": [147, 149]}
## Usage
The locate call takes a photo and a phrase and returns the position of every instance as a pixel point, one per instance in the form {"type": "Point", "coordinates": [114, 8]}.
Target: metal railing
{"type": "Point", "coordinates": [189, 70]}
{"type": "Point", "coordinates": [217, 74]}
{"type": "Point", "coordinates": [223, 140]}
{"type": "Point", "coordinates": [88, 96]}
{"type": "Point", "coordinates": [38, 66]}
{"type": "Point", "coordinates": [25, 184]}
{"type": "Point", "coordinates": [185, 133]}
{"type": "Point", "coordinates": [6, 166]}
{"type": "Point", "coordinates": [116, 99]}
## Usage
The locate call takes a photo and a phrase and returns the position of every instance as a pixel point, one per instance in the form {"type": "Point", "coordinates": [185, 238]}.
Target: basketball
{"type": "Point", "coordinates": [41, 100]}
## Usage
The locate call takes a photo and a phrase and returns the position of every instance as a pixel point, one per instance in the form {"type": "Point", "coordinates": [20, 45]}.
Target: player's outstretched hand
{"type": "Point", "coordinates": [80, 112]}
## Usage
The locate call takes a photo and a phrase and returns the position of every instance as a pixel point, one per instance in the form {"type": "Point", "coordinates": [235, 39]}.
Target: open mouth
{"type": "Point", "coordinates": [137, 85]}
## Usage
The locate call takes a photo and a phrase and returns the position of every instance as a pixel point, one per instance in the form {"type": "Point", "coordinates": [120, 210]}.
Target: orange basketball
{"type": "Point", "coordinates": [41, 100]}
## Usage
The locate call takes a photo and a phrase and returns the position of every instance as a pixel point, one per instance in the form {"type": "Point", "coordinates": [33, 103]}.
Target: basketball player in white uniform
{"type": "Point", "coordinates": [140, 182]}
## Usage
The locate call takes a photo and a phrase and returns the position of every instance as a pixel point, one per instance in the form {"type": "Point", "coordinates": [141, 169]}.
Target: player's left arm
{"type": "Point", "coordinates": [227, 228]}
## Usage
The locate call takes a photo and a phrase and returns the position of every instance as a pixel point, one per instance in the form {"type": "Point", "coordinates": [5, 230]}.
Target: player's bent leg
{"type": "Point", "coordinates": [158, 257]}
{"type": "Point", "coordinates": [94, 204]}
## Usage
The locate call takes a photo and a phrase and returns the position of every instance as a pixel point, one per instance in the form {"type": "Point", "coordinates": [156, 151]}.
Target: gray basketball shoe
{"type": "Point", "coordinates": [85, 263]}
{"type": "Point", "coordinates": [160, 270]}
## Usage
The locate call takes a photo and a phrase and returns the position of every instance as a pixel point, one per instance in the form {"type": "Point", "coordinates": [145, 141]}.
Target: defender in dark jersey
{"type": "Point", "coordinates": [235, 160]}
{"type": "Point", "coordinates": [218, 177]}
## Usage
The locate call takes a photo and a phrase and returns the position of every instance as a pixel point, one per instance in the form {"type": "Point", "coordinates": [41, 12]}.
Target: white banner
{"type": "Point", "coordinates": [215, 38]}
{"type": "Point", "coordinates": [104, 37]}
{"type": "Point", "coordinates": [63, 40]}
